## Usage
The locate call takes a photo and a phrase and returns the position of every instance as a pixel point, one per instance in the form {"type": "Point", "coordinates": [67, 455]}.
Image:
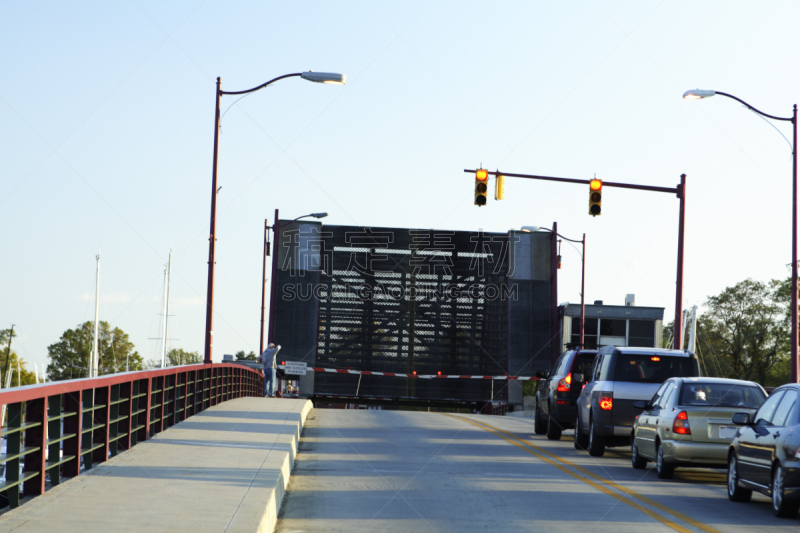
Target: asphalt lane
{"type": "Point", "coordinates": [405, 471]}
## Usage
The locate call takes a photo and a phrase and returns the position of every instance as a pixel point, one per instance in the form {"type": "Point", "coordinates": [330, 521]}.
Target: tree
{"type": "Point", "coordinates": [69, 357]}
{"type": "Point", "coordinates": [10, 362]}
{"type": "Point", "coordinates": [744, 333]}
{"type": "Point", "coordinates": [240, 356]}
{"type": "Point", "coordinates": [177, 356]}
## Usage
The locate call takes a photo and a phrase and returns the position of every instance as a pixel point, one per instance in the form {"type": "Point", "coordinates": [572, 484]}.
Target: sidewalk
{"type": "Point", "coordinates": [225, 469]}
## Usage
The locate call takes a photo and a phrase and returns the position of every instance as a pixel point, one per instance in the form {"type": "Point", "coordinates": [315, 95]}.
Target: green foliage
{"type": "Point", "coordinates": [69, 357]}
{"type": "Point", "coordinates": [10, 363]}
{"type": "Point", "coordinates": [241, 356]}
{"type": "Point", "coordinates": [178, 356]}
{"type": "Point", "coordinates": [530, 387]}
{"type": "Point", "coordinates": [743, 332]}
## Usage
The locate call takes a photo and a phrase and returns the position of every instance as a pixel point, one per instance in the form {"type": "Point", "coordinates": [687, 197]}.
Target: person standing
{"type": "Point", "coordinates": [268, 359]}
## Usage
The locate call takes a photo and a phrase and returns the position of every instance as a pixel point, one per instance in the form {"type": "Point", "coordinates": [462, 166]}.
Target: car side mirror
{"type": "Point", "coordinates": [640, 404]}
{"type": "Point", "coordinates": [578, 378]}
{"type": "Point", "coordinates": [741, 419]}
{"type": "Point", "coordinates": [541, 374]}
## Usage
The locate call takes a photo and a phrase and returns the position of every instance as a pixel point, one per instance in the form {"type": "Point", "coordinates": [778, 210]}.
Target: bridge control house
{"type": "Point", "coordinates": [611, 325]}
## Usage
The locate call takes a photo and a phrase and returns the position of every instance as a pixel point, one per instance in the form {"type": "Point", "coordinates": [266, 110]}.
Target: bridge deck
{"type": "Point", "coordinates": [225, 469]}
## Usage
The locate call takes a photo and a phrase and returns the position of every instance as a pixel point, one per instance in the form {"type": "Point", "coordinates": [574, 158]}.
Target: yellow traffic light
{"type": "Point", "coordinates": [499, 187]}
{"type": "Point", "coordinates": [481, 179]}
{"type": "Point", "coordinates": [595, 196]}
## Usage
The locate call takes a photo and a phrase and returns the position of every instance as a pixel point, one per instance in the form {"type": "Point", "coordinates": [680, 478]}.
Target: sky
{"type": "Point", "coordinates": [107, 123]}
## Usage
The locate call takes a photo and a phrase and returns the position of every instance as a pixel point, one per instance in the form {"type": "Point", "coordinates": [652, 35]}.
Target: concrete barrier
{"type": "Point", "coordinates": [225, 469]}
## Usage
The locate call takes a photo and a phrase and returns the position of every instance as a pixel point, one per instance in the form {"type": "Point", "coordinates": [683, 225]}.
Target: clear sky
{"type": "Point", "coordinates": [106, 135]}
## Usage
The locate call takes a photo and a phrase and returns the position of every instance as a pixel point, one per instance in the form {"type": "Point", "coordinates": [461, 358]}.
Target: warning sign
{"type": "Point", "coordinates": [295, 368]}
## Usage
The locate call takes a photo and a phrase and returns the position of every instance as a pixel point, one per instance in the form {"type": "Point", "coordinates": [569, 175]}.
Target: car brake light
{"type": "Point", "coordinates": [606, 403]}
{"type": "Point", "coordinates": [681, 424]}
{"type": "Point", "coordinates": [563, 383]}
{"type": "Point", "coordinates": [797, 454]}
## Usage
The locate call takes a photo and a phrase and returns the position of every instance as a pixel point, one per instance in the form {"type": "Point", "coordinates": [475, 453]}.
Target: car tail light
{"type": "Point", "coordinates": [563, 383]}
{"type": "Point", "coordinates": [797, 454]}
{"type": "Point", "coordinates": [606, 402]}
{"type": "Point", "coordinates": [681, 424]}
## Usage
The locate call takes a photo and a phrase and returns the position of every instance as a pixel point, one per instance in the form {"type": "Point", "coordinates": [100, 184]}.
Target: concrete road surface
{"type": "Point", "coordinates": [403, 471]}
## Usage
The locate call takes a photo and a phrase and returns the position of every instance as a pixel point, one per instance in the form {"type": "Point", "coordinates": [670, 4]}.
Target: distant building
{"type": "Point", "coordinates": [611, 325]}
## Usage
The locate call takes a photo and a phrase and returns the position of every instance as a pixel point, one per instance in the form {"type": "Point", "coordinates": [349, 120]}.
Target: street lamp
{"type": "Point", "coordinates": [331, 78]}
{"type": "Point", "coordinates": [274, 262]}
{"type": "Point", "coordinates": [697, 94]}
{"type": "Point", "coordinates": [533, 229]}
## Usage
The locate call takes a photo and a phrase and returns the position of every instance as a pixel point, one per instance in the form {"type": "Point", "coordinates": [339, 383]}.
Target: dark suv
{"type": "Point", "coordinates": [558, 392]}
{"type": "Point", "coordinates": [621, 376]}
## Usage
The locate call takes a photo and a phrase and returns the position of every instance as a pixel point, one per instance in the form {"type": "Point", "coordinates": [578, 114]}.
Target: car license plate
{"type": "Point", "coordinates": [727, 432]}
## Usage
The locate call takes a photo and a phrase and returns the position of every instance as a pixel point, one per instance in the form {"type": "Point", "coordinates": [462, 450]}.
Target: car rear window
{"type": "Point", "coordinates": [583, 364]}
{"type": "Point", "coordinates": [721, 395]}
{"type": "Point", "coordinates": [653, 368]}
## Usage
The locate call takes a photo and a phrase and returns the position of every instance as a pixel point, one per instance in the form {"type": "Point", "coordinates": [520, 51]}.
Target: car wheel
{"type": "Point", "coordinates": [637, 461]}
{"type": "Point", "coordinates": [580, 440]}
{"type": "Point", "coordinates": [539, 424]}
{"type": "Point", "coordinates": [597, 445]}
{"type": "Point", "coordinates": [782, 506]}
{"type": "Point", "coordinates": [553, 429]}
{"type": "Point", "coordinates": [663, 469]}
{"type": "Point", "coordinates": [735, 492]}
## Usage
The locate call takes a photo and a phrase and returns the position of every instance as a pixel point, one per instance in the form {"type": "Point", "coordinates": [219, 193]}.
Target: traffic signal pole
{"type": "Point", "coordinates": [679, 191]}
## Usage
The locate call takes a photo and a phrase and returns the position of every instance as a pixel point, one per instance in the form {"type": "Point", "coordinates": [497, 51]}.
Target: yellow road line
{"type": "Point", "coordinates": [554, 459]}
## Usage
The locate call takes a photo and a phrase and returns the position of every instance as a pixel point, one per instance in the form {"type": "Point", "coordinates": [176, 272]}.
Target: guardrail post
{"type": "Point", "coordinates": [88, 428]}
{"type": "Point", "coordinates": [101, 419]}
{"type": "Point", "coordinates": [73, 425]}
{"type": "Point", "coordinates": [126, 409]}
{"type": "Point", "coordinates": [35, 437]}
{"type": "Point", "coordinates": [13, 448]}
{"type": "Point", "coordinates": [149, 387]}
{"type": "Point", "coordinates": [186, 392]}
{"type": "Point", "coordinates": [114, 420]}
{"type": "Point", "coordinates": [54, 438]}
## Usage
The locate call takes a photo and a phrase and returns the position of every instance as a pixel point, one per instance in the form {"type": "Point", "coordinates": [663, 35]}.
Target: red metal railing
{"type": "Point", "coordinates": [56, 429]}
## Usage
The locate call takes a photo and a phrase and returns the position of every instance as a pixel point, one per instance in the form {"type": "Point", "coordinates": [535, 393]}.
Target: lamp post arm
{"type": "Point", "coordinates": [570, 240]}
{"type": "Point", "coordinates": [265, 84]}
{"type": "Point", "coordinates": [559, 235]}
{"type": "Point", "coordinates": [787, 119]}
{"type": "Point", "coordinates": [295, 220]}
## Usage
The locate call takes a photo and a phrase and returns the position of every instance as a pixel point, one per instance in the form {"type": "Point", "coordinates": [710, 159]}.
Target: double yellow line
{"type": "Point", "coordinates": [590, 478]}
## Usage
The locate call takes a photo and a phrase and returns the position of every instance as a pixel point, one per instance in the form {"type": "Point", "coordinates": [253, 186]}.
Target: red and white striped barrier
{"type": "Point", "coordinates": [419, 376]}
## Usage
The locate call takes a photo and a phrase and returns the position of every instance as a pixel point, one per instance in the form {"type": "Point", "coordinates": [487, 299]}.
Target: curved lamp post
{"type": "Point", "coordinates": [532, 229]}
{"type": "Point", "coordinates": [697, 94]}
{"type": "Point", "coordinates": [274, 263]}
{"type": "Point", "coordinates": [318, 77]}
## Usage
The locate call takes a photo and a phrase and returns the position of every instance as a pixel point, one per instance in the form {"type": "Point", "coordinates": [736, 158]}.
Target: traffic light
{"type": "Point", "coordinates": [481, 180]}
{"type": "Point", "coordinates": [595, 196]}
{"type": "Point", "coordinates": [499, 187]}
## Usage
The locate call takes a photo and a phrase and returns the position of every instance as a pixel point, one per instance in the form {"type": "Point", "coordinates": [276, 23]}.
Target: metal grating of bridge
{"type": "Point", "coordinates": [397, 300]}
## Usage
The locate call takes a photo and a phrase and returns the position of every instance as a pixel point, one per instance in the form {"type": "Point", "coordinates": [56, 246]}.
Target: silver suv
{"type": "Point", "coordinates": [620, 377]}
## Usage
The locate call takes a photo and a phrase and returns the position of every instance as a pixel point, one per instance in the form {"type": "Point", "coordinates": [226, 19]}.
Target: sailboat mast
{"type": "Point", "coordinates": [166, 312]}
{"type": "Point", "coordinates": [693, 330]}
{"type": "Point", "coordinates": [95, 360]}
{"type": "Point", "coordinates": [164, 325]}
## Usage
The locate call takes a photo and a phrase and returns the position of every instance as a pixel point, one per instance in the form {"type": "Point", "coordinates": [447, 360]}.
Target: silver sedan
{"type": "Point", "coordinates": [688, 422]}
